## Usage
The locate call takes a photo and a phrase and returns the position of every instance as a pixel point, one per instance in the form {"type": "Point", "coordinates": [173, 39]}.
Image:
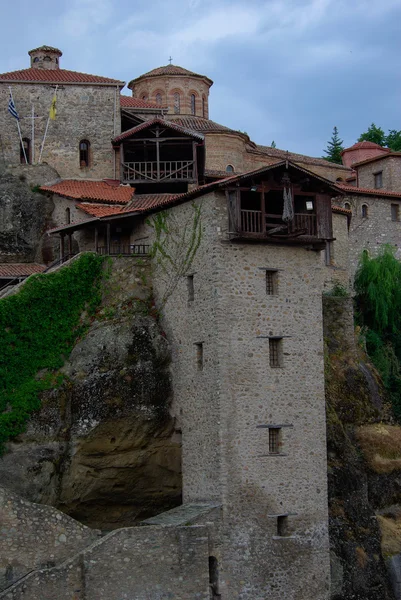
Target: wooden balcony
{"type": "Point", "coordinates": [302, 224]}
{"type": "Point", "coordinates": [153, 171]}
{"type": "Point", "coordinates": [124, 250]}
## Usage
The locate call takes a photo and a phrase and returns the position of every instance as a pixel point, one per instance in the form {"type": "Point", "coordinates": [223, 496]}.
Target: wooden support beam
{"type": "Point", "coordinates": [108, 238]}
{"type": "Point", "coordinates": [61, 247]}
{"type": "Point", "coordinates": [96, 239]}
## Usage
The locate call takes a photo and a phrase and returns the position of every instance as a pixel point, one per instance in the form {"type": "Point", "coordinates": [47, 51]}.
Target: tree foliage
{"type": "Point", "coordinates": [334, 148]}
{"type": "Point", "coordinates": [377, 135]}
{"type": "Point", "coordinates": [378, 302]}
{"type": "Point", "coordinates": [38, 327]}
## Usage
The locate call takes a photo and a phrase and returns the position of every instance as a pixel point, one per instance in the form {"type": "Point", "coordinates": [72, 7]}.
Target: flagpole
{"type": "Point", "coordinates": [47, 127]}
{"type": "Point", "coordinates": [33, 135]}
{"type": "Point", "coordinates": [19, 129]}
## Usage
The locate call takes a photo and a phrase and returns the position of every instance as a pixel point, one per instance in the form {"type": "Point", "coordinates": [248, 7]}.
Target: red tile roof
{"type": "Point", "coordinates": [169, 70]}
{"type": "Point", "coordinates": [130, 102]}
{"type": "Point", "coordinates": [56, 76]}
{"type": "Point", "coordinates": [390, 154]}
{"type": "Point", "coordinates": [20, 269]}
{"type": "Point", "coordinates": [341, 210]}
{"type": "Point", "coordinates": [148, 201]}
{"type": "Point", "coordinates": [201, 124]}
{"type": "Point", "coordinates": [365, 145]}
{"type": "Point", "coordinates": [367, 191]}
{"type": "Point", "coordinates": [155, 121]}
{"type": "Point", "coordinates": [99, 210]}
{"type": "Point", "coordinates": [295, 157]}
{"type": "Point", "coordinates": [91, 190]}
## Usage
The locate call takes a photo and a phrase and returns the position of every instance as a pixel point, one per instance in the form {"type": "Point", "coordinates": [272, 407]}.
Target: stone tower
{"type": "Point", "coordinates": [181, 91]}
{"type": "Point", "coordinates": [45, 57]}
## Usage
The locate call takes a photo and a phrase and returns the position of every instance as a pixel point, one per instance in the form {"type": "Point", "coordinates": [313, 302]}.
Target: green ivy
{"type": "Point", "coordinates": [378, 312]}
{"type": "Point", "coordinates": [38, 328]}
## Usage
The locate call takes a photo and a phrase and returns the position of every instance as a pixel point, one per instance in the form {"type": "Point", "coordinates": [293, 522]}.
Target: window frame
{"type": "Point", "coordinates": [83, 152]}
{"type": "Point", "coordinates": [364, 211]}
{"type": "Point", "coordinates": [378, 180]}
{"type": "Point", "coordinates": [395, 212]}
{"type": "Point", "coordinates": [276, 352]}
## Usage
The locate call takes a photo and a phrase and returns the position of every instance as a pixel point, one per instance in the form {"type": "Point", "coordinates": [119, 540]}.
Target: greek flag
{"type": "Point", "coordinates": [11, 108]}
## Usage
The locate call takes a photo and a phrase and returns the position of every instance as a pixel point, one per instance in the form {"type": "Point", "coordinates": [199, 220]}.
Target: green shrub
{"type": "Point", "coordinates": [38, 328]}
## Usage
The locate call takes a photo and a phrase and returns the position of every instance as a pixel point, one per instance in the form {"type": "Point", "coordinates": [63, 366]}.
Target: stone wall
{"type": "Point", "coordinates": [33, 536]}
{"type": "Point", "coordinates": [227, 396]}
{"type": "Point", "coordinates": [336, 257]}
{"type": "Point", "coordinates": [390, 166]}
{"type": "Point", "coordinates": [84, 112]}
{"type": "Point", "coordinates": [146, 563]}
{"type": "Point", "coordinates": [373, 231]}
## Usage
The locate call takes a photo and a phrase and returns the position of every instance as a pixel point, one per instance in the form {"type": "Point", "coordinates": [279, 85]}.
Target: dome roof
{"type": "Point", "coordinates": [170, 70]}
{"type": "Point", "coordinates": [46, 49]}
{"type": "Point", "coordinates": [365, 146]}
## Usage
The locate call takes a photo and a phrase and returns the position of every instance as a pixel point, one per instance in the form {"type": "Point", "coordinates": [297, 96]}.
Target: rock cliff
{"type": "Point", "coordinates": [103, 447]}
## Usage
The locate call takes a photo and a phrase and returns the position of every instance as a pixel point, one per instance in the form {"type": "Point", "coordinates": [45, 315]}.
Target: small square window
{"type": "Point", "coordinates": [190, 286]}
{"type": "Point", "coordinates": [199, 355]}
{"type": "Point", "coordinates": [274, 440]}
{"type": "Point", "coordinates": [276, 352]}
{"type": "Point", "coordinates": [395, 212]}
{"type": "Point", "coordinates": [271, 283]}
{"type": "Point", "coordinates": [378, 179]}
{"type": "Point", "coordinates": [282, 526]}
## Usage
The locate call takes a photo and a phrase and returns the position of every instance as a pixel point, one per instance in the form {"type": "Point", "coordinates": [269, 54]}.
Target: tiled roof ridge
{"type": "Point", "coordinates": [313, 160]}
{"type": "Point", "coordinates": [149, 123]}
{"type": "Point", "coordinates": [341, 210]}
{"type": "Point", "coordinates": [169, 70]}
{"type": "Point", "coordinates": [56, 75]}
{"type": "Point", "coordinates": [100, 191]}
{"type": "Point", "coordinates": [198, 123]}
{"type": "Point", "coordinates": [130, 101]}
{"type": "Point", "coordinates": [368, 191]}
{"type": "Point", "coordinates": [390, 154]}
{"type": "Point", "coordinates": [20, 269]}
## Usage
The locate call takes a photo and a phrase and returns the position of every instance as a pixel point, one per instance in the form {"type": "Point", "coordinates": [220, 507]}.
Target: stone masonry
{"type": "Point", "coordinates": [274, 523]}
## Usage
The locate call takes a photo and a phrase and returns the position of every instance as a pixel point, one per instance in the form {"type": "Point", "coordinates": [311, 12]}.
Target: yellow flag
{"type": "Point", "coordinates": [53, 109]}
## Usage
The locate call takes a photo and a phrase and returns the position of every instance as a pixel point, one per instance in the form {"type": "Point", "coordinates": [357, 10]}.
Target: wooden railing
{"type": "Point", "coordinates": [124, 249]}
{"type": "Point", "coordinates": [173, 170]}
{"type": "Point", "coordinates": [251, 222]}
{"type": "Point", "coordinates": [305, 221]}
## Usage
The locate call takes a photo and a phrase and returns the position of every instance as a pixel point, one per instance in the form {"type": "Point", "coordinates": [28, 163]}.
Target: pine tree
{"type": "Point", "coordinates": [373, 134]}
{"type": "Point", "coordinates": [334, 148]}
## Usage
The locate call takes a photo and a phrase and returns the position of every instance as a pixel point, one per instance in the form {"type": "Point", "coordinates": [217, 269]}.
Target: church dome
{"type": "Point", "coordinates": [45, 57]}
{"type": "Point", "coordinates": [182, 91]}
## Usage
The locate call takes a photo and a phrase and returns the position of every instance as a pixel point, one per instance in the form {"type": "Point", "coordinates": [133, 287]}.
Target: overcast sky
{"type": "Point", "coordinates": [283, 70]}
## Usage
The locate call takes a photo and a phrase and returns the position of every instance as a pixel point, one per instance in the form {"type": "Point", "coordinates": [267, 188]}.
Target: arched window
{"type": "Point", "coordinates": [347, 205]}
{"type": "Point", "coordinates": [47, 59]}
{"type": "Point", "coordinates": [26, 145]}
{"type": "Point", "coordinates": [364, 211]}
{"type": "Point", "coordinates": [159, 99]}
{"type": "Point", "coordinates": [177, 103]}
{"type": "Point", "coordinates": [84, 147]}
{"type": "Point", "coordinates": [204, 107]}
{"type": "Point", "coordinates": [67, 216]}
{"type": "Point", "coordinates": [230, 169]}
{"type": "Point", "coordinates": [339, 179]}
{"type": "Point", "coordinates": [144, 97]}
{"type": "Point", "coordinates": [36, 59]}
{"type": "Point", "coordinates": [193, 104]}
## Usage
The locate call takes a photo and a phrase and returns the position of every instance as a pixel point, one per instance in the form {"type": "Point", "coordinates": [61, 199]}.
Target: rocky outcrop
{"type": "Point", "coordinates": [353, 397]}
{"type": "Point", "coordinates": [24, 214]}
{"type": "Point", "coordinates": [103, 447]}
